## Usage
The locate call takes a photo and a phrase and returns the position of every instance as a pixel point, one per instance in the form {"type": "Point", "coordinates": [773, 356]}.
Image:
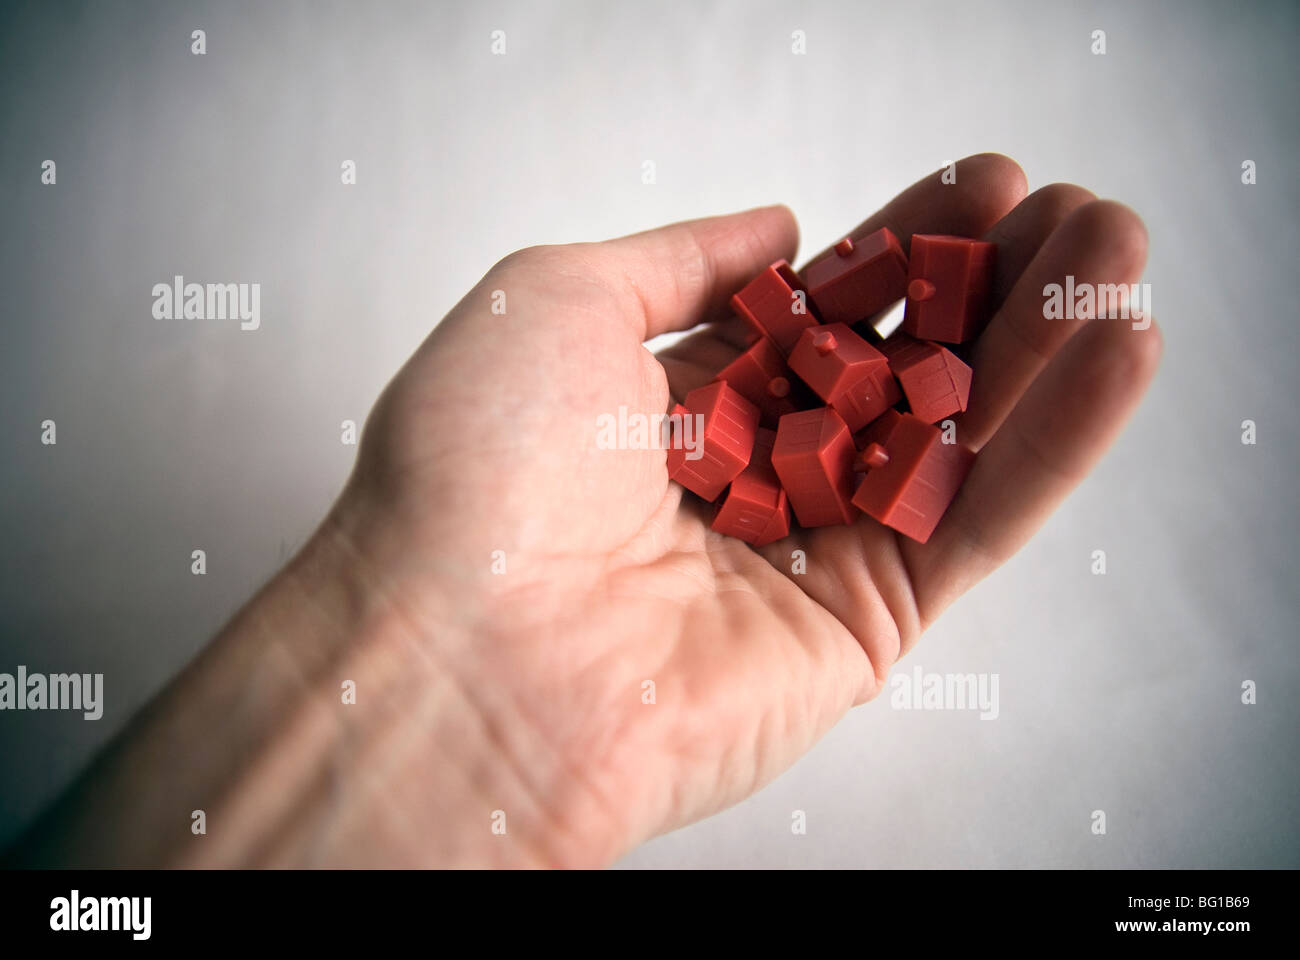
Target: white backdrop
{"type": "Point", "coordinates": [1119, 693]}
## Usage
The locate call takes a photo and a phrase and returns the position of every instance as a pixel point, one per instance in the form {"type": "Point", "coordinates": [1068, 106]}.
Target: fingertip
{"type": "Point", "coordinates": [987, 186]}
{"type": "Point", "coordinates": [1147, 349]}
{"type": "Point", "coordinates": [1113, 227]}
{"type": "Point", "coordinates": [777, 222]}
{"type": "Point", "coordinates": [1056, 201]}
{"type": "Point", "coordinates": [995, 171]}
{"type": "Point", "coordinates": [1067, 196]}
{"type": "Point", "coordinates": [1121, 354]}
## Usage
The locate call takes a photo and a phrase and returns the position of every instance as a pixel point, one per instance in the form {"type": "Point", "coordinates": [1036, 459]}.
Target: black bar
{"type": "Point", "coordinates": [330, 908]}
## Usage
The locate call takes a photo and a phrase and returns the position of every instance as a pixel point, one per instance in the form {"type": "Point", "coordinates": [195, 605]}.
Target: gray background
{"type": "Point", "coordinates": [1118, 692]}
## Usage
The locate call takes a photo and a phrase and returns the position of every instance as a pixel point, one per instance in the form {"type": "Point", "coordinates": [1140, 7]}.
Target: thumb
{"type": "Point", "coordinates": [684, 273]}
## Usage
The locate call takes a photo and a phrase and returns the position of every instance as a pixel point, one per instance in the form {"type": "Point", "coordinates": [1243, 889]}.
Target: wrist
{"type": "Point", "coordinates": [433, 761]}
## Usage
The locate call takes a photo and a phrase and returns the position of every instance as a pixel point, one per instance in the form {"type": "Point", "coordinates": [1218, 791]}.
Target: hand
{"type": "Point", "coordinates": [455, 669]}
{"type": "Point", "coordinates": [482, 453]}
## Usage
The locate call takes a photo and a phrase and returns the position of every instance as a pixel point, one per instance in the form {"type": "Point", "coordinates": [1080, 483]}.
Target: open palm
{"type": "Point", "coordinates": [635, 670]}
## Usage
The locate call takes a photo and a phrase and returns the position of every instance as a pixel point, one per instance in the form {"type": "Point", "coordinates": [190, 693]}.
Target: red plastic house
{"type": "Point", "coordinates": [730, 422]}
{"type": "Point", "coordinates": [775, 305]}
{"type": "Point", "coordinates": [910, 486]}
{"type": "Point", "coordinates": [858, 278]}
{"type": "Point", "coordinates": [934, 380]}
{"type": "Point", "coordinates": [761, 376]}
{"type": "Point", "coordinates": [949, 280]}
{"type": "Point", "coordinates": [814, 456]}
{"type": "Point", "coordinates": [756, 508]}
{"type": "Point", "coordinates": [847, 372]}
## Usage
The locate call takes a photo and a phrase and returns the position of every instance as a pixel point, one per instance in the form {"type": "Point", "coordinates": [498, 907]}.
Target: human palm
{"type": "Point", "coordinates": [637, 671]}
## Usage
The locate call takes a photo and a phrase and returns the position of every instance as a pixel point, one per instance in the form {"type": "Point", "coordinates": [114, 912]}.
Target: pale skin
{"type": "Point", "coordinates": [517, 697]}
